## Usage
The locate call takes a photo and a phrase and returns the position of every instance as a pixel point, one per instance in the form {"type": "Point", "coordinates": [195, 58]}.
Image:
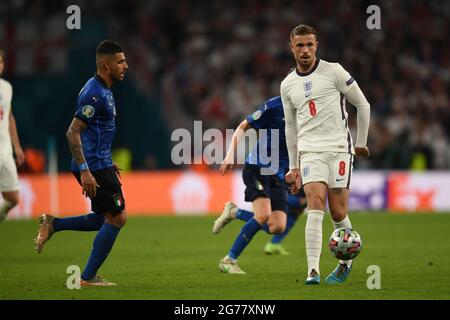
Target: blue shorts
{"type": "Point", "coordinates": [265, 186]}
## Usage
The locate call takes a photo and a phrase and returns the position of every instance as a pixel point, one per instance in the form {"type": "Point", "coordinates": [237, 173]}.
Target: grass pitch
{"type": "Point", "coordinates": [174, 258]}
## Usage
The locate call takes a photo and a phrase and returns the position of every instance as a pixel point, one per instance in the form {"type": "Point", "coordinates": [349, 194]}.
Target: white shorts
{"type": "Point", "coordinates": [9, 180]}
{"type": "Point", "coordinates": [333, 168]}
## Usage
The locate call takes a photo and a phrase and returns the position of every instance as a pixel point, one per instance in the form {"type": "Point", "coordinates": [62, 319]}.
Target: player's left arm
{"type": "Point", "coordinates": [20, 156]}
{"type": "Point", "coordinates": [352, 92]}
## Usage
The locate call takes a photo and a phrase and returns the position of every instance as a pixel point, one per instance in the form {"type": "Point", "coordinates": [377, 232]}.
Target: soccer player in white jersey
{"type": "Point", "coordinates": [320, 147]}
{"type": "Point", "coordinates": [9, 181]}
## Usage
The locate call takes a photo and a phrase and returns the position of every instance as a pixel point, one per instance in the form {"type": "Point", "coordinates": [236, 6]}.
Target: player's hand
{"type": "Point", "coordinates": [89, 184]}
{"type": "Point", "coordinates": [362, 152]}
{"type": "Point", "coordinates": [293, 179]}
{"type": "Point", "coordinates": [20, 156]}
{"type": "Point", "coordinates": [227, 164]}
{"type": "Point", "coordinates": [117, 170]}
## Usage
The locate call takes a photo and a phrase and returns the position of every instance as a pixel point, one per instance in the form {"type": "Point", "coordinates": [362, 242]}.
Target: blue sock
{"type": "Point", "coordinates": [291, 219]}
{"type": "Point", "coordinates": [88, 222]}
{"type": "Point", "coordinates": [245, 215]}
{"type": "Point", "coordinates": [102, 246]}
{"type": "Point", "coordinates": [243, 239]}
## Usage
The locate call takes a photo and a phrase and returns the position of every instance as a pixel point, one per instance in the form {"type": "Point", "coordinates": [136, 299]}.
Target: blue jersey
{"type": "Point", "coordinates": [96, 107]}
{"type": "Point", "coordinates": [269, 116]}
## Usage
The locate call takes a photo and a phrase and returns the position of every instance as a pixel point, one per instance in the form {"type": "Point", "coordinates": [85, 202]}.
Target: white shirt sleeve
{"type": "Point", "coordinates": [344, 81]}
{"type": "Point", "coordinates": [355, 96]}
{"type": "Point", "coordinates": [290, 117]}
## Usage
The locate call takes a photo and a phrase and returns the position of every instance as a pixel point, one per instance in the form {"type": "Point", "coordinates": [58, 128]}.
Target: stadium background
{"type": "Point", "coordinates": [216, 61]}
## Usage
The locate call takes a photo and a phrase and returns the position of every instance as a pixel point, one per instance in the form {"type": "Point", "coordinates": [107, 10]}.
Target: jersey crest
{"type": "Point", "coordinates": [307, 87]}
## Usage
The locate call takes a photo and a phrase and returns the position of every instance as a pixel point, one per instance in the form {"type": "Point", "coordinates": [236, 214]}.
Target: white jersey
{"type": "Point", "coordinates": [5, 109]}
{"type": "Point", "coordinates": [317, 102]}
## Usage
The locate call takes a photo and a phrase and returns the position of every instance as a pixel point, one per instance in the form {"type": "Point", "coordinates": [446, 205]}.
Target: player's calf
{"type": "Point", "coordinates": [5, 207]}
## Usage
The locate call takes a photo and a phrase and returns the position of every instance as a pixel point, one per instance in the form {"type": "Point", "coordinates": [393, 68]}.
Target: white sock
{"type": "Point", "coordinates": [5, 206]}
{"type": "Point", "coordinates": [344, 224]}
{"type": "Point", "coordinates": [313, 239]}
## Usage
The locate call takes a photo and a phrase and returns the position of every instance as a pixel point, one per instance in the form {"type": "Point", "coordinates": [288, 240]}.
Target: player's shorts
{"type": "Point", "coordinates": [9, 179]}
{"type": "Point", "coordinates": [109, 197]}
{"type": "Point", "coordinates": [332, 168]}
{"type": "Point", "coordinates": [264, 186]}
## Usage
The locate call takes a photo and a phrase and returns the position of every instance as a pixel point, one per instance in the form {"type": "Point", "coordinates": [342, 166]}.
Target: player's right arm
{"type": "Point", "coordinates": [73, 135]}
{"type": "Point", "coordinates": [228, 162]}
{"type": "Point", "coordinates": [290, 117]}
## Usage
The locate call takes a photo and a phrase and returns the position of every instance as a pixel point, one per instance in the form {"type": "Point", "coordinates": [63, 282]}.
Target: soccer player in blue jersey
{"type": "Point", "coordinates": [267, 192]}
{"type": "Point", "coordinates": [90, 136]}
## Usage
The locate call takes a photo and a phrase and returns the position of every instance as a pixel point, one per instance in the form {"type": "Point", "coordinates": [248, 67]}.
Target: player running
{"type": "Point", "coordinates": [267, 191]}
{"type": "Point", "coordinates": [90, 136]}
{"type": "Point", "coordinates": [9, 139]}
{"type": "Point", "coordinates": [296, 206]}
{"type": "Point", "coordinates": [319, 142]}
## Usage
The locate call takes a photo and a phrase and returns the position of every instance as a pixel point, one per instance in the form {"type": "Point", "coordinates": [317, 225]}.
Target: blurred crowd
{"type": "Point", "coordinates": [218, 60]}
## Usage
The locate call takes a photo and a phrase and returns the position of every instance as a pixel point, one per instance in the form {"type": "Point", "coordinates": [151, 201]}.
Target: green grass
{"type": "Point", "coordinates": [177, 258]}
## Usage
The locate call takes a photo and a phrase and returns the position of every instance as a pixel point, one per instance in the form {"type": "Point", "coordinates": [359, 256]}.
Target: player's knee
{"type": "Point", "coordinates": [277, 228]}
{"type": "Point", "coordinates": [262, 210]}
{"type": "Point", "coordinates": [316, 202]}
{"type": "Point", "coordinates": [122, 220]}
{"type": "Point", "coordinates": [119, 220]}
{"type": "Point", "coordinates": [262, 217]}
{"type": "Point", "coordinates": [13, 200]}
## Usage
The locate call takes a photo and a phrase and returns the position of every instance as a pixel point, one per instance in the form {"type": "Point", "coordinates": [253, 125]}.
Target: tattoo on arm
{"type": "Point", "coordinates": [74, 140]}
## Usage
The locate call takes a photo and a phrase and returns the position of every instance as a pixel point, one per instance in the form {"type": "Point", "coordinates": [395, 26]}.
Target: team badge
{"type": "Point", "coordinates": [307, 87]}
{"type": "Point", "coordinates": [118, 200]}
{"type": "Point", "coordinates": [256, 115]}
{"type": "Point", "coordinates": [306, 171]}
{"type": "Point", "coordinates": [88, 111]}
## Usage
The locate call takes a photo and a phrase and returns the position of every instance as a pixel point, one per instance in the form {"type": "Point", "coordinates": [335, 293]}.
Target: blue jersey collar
{"type": "Point", "coordinates": [100, 79]}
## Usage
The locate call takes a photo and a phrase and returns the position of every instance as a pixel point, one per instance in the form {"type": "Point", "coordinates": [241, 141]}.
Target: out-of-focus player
{"type": "Point", "coordinates": [9, 139]}
{"type": "Point", "coordinates": [319, 142]}
{"type": "Point", "coordinates": [266, 189]}
{"type": "Point", "coordinates": [296, 206]}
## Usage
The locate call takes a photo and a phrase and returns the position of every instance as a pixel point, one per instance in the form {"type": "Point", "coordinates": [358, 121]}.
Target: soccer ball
{"type": "Point", "coordinates": [345, 243]}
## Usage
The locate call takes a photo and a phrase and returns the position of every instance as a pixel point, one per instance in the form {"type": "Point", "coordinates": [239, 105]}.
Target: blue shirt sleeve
{"type": "Point", "coordinates": [260, 118]}
{"type": "Point", "coordinates": [88, 107]}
